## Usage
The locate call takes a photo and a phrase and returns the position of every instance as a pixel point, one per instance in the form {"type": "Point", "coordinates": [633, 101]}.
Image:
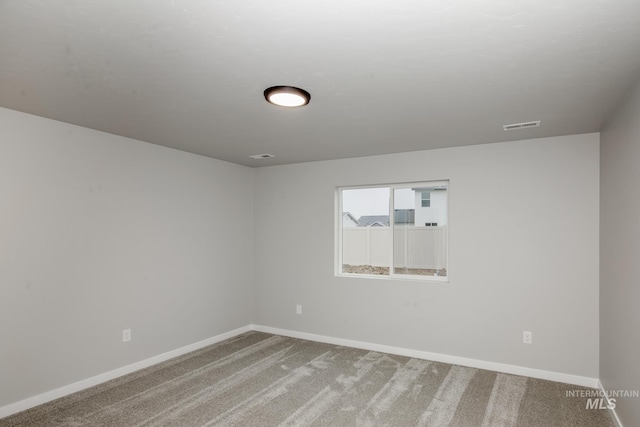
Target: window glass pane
{"type": "Point", "coordinates": [426, 199]}
{"type": "Point", "coordinates": [420, 241]}
{"type": "Point", "coordinates": [366, 235]}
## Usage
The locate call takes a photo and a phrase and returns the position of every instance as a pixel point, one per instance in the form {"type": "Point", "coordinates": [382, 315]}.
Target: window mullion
{"type": "Point", "coordinates": [391, 231]}
{"type": "Point", "coordinates": [339, 234]}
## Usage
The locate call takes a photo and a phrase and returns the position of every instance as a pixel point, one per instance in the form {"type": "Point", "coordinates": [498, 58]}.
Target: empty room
{"type": "Point", "coordinates": [336, 213]}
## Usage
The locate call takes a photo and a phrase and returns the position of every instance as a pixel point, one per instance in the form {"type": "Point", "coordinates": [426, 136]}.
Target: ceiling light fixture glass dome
{"type": "Point", "coordinates": [287, 96]}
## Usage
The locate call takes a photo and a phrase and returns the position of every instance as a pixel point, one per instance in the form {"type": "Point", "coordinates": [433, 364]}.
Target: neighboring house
{"type": "Point", "coordinates": [348, 220]}
{"type": "Point", "coordinates": [431, 206]}
{"type": "Point", "coordinates": [404, 216]}
{"type": "Point", "coordinates": [430, 211]}
{"type": "Point", "coordinates": [400, 217]}
{"type": "Point", "coordinates": [373, 221]}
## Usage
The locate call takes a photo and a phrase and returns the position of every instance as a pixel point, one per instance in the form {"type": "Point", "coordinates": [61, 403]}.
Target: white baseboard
{"type": "Point", "coordinates": [31, 402]}
{"type": "Point", "coordinates": [437, 357]}
{"type": "Point", "coordinates": [610, 407]}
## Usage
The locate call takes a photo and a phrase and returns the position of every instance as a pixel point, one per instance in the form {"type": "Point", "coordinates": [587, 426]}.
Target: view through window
{"type": "Point", "coordinates": [400, 225]}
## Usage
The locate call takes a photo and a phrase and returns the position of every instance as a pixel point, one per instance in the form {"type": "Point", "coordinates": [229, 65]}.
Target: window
{"type": "Point", "coordinates": [426, 199]}
{"type": "Point", "coordinates": [399, 225]}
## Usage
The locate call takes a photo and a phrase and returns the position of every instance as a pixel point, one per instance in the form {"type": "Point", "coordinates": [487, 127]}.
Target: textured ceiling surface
{"type": "Point", "coordinates": [384, 76]}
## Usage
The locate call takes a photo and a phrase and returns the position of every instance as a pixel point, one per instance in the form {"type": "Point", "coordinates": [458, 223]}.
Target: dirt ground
{"type": "Point", "coordinates": [384, 271]}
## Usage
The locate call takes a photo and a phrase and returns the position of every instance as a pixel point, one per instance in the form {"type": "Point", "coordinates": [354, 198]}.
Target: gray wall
{"type": "Point", "coordinates": [99, 233]}
{"type": "Point", "coordinates": [619, 249]}
{"type": "Point", "coordinates": [524, 220]}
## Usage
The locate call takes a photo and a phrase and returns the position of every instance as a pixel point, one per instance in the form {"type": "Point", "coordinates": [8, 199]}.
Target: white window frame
{"type": "Point", "coordinates": [392, 275]}
{"type": "Point", "coordinates": [423, 199]}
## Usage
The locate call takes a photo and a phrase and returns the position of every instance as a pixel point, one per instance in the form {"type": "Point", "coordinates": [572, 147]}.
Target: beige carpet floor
{"type": "Point", "coordinates": [259, 379]}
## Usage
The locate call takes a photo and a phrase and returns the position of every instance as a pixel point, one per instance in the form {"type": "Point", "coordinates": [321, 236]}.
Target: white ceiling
{"type": "Point", "coordinates": [384, 76]}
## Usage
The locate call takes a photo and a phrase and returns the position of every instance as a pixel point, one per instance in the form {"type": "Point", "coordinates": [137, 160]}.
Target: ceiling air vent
{"type": "Point", "coordinates": [525, 125]}
{"type": "Point", "coordinates": [262, 156]}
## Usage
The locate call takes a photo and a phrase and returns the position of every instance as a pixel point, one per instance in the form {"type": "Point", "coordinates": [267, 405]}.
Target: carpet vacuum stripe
{"type": "Point", "coordinates": [261, 380]}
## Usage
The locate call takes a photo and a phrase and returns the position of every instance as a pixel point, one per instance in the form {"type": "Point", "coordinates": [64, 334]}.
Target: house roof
{"type": "Point", "coordinates": [370, 220]}
{"type": "Point", "coordinates": [349, 215]}
{"type": "Point", "coordinates": [191, 75]}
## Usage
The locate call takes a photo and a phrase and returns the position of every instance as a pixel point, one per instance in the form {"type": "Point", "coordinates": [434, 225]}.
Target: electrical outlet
{"type": "Point", "coordinates": [298, 309]}
{"type": "Point", "coordinates": [527, 337]}
{"type": "Point", "coordinates": [126, 335]}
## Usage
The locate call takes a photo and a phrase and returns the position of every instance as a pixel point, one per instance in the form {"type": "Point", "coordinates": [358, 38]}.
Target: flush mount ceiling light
{"type": "Point", "coordinates": [287, 96]}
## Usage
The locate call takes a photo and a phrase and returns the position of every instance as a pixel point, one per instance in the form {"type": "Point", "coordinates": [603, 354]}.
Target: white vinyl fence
{"type": "Point", "coordinates": [414, 247]}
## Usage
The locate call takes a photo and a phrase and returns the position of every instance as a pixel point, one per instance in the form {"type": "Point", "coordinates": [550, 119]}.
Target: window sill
{"type": "Point", "coordinates": [397, 277]}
